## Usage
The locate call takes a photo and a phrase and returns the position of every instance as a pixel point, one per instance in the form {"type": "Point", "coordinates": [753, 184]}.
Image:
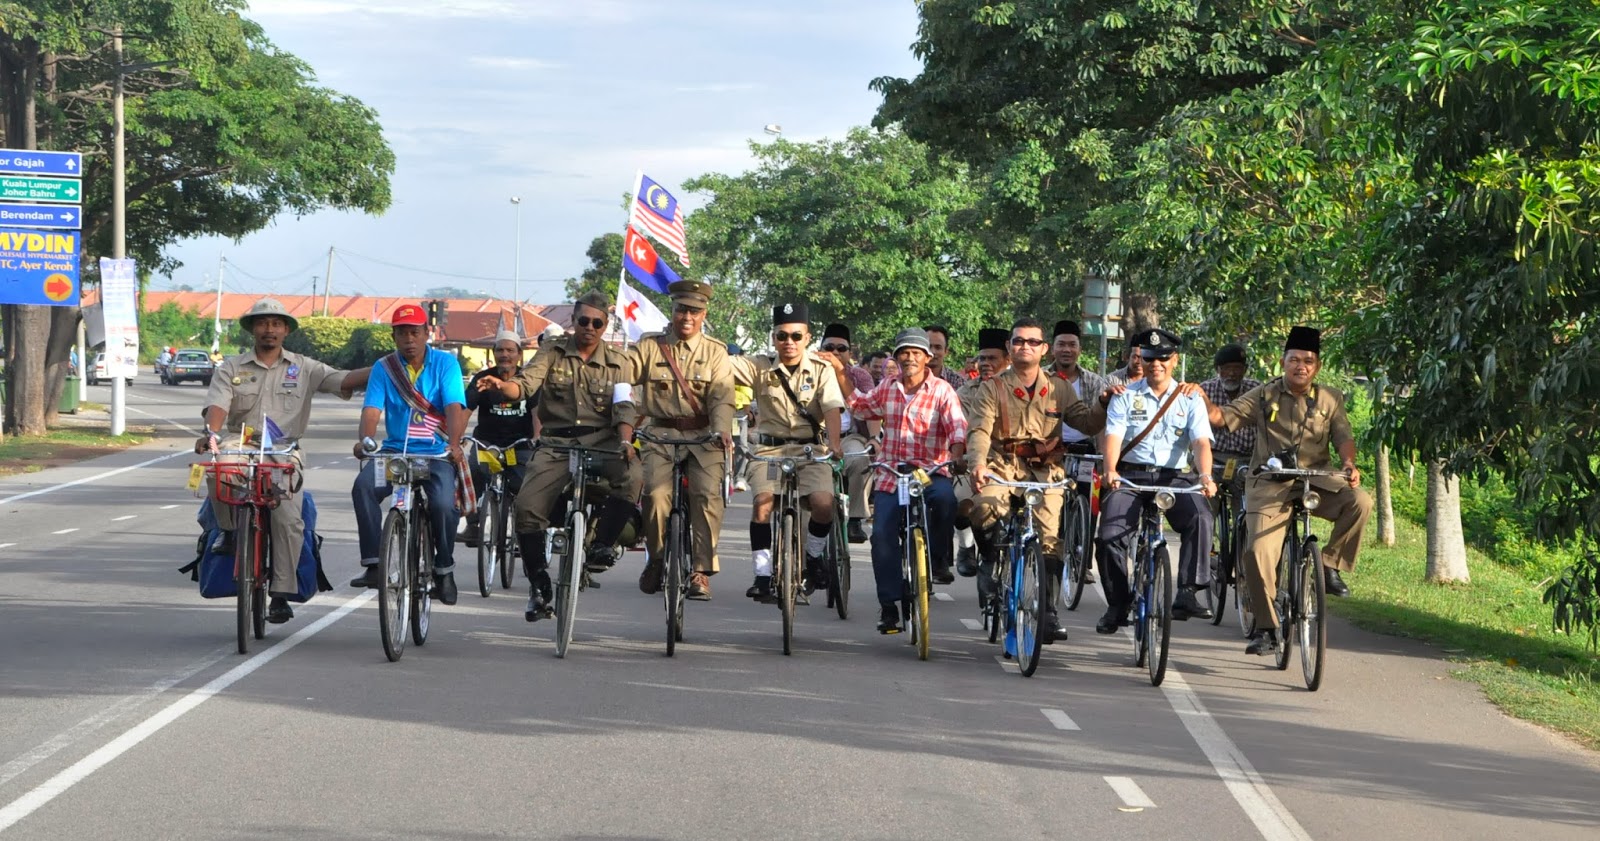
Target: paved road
{"type": "Point", "coordinates": [123, 712]}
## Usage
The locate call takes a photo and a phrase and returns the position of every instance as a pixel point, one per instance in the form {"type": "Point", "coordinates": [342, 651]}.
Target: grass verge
{"type": "Point", "coordinates": [1495, 628]}
{"type": "Point", "coordinates": [30, 454]}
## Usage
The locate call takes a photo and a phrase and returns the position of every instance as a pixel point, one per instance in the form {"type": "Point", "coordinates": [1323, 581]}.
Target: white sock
{"type": "Point", "coordinates": [816, 546]}
{"type": "Point", "coordinates": [965, 539]}
{"type": "Point", "coordinates": [763, 561]}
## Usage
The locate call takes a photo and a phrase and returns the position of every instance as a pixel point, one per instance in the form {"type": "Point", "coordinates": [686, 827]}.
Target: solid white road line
{"type": "Point", "coordinates": [25, 805]}
{"type": "Point", "coordinates": [1060, 719]}
{"type": "Point", "coordinates": [123, 517]}
{"type": "Point", "coordinates": [1130, 792]}
{"type": "Point", "coordinates": [89, 479]}
{"type": "Point", "coordinates": [65, 531]}
{"type": "Point", "coordinates": [943, 596]}
{"type": "Point", "coordinates": [972, 624]}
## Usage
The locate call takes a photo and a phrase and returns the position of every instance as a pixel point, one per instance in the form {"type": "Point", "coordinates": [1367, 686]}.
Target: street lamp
{"type": "Point", "coordinates": [773, 129]}
{"type": "Point", "coordinates": [516, 268]}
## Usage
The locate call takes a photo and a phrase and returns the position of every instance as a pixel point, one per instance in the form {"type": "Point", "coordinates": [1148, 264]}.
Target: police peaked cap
{"type": "Point", "coordinates": [1156, 343]}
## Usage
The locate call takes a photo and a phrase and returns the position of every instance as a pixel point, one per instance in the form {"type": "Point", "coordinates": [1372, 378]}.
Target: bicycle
{"type": "Point", "coordinates": [1022, 591]}
{"type": "Point", "coordinates": [497, 544]}
{"type": "Point", "coordinates": [1302, 591]}
{"type": "Point", "coordinates": [1152, 578]}
{"type": "Point", "coordinates": [570, 544]}
{"type": "Point", "coordinates": [839, 546]}
{"type": "Point", "coordinates": [258, 485]}
{"type": "Point", "coordinates": [1225, 550]}
{"type": "Point", "coordinates": [676, 565]}
{"type": "Point", "coordinates": [1077, 539]}
{"type": "Point", "coordinates": [910, 482]}
{"type": "Point", "coordinates": [788, 549]}
{"type": "Point", "coordinates": [405, 552]}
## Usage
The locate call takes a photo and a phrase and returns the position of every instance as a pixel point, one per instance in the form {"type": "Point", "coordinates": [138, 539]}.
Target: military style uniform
{"type": "Point", "coordinates": [1309, 426]}
{"type": "Point", "coordinates": [780, 430]}
{"type": "Point", "coordinates": [250, 392]}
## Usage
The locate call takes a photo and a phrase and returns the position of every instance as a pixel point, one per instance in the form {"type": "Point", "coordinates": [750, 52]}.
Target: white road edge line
{"type": "Point", "coordinates": [1130, 792]}
{"type": "Point", "coordinates": [87, 479]}
{"type": "Point", "coordinates": [1060, 719]}
{"type": "Point", "coordinates": [25, 805]}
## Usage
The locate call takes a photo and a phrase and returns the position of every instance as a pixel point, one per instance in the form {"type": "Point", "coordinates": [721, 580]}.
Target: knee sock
{"type": "Point", "coordinates": [533, 557]}
{"type": "Point", "coordinates": [817, 539]}
{"type": "Point", "coordinates": [761, 547]}
{"type": "Point", "coordinates": [964, 537]}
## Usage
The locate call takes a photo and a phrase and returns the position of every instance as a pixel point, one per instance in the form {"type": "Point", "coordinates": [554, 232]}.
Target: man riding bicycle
{"type": "Point", "coordinates": [417, 392]}
{"type": "Point", "coordinates": [502, 421]}
{"type": "Point", "coordinates": [585, 400]}
{"type": "Point", "coordinates": [858, 433]}
{"type": "Point", "coordinates": [993, 345]}
{"type": "Point", "coordinates": [1066, 350]}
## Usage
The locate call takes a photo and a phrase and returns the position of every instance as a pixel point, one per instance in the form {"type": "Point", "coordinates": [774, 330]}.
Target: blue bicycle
{"type": "Point", "coordinates": [1152, 578]}
{"type": "Point", "coordinates": [1022, 590]}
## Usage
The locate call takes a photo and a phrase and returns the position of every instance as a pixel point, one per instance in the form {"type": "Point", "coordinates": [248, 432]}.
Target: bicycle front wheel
{"type": "Point", "coordinates": [839, 559]}
{"type": "Point", "coordinates": [1075, 543]}
{"type": "Point", "coordinates": [920, 617]}
{"type": "Point", "coordinates": [1288, 585]}
{"type": "Point", "coordinates": [1158, 617]}
{"type": "Point", "coordinates": [244, 576]}
{"type": "Point", "coordinates": [488, 547]}
{"type": "Point", "coordinates": [1221, 562]}
{"type": "Point", "coordinates": [506, 540]}
{"type": "Point", "coordinates": [567, 586]}
{"type": "Point", "coordinates": [1029, 616]}
{"type": "Point", "coordinates": [422, 580]}
{"type": "Point", "coordinates": [394, 589]}
{"type": "Point", "coordinates": [1140, 586]}
{"type": "Point", "coordinates": [260, 565]}
{"type": "Point", "coordinates": [1312, 621]}
{"type": "Point", "coordinates": [672, 575]}
{"type": "Point", "coordinates": [786, 573]}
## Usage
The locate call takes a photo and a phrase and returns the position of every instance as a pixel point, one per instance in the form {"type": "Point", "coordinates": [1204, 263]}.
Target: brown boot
{"type": "Point", "coordinates": [699, 587]}
{"type": "Point", "coordinates": [650, 579]}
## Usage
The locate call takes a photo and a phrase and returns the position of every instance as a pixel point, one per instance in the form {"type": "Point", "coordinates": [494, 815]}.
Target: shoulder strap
{"type": "Point", "coordinates": [677, 374]}
{"type": "Point", "coordinates": [1128, 445]}
{"type": "Point", "coordinates": [1005, 414]}
{"type": "Point", "coordinates": [783, 380]}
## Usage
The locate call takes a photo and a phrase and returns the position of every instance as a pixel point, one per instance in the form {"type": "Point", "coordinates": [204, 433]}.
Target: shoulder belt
{"type": "Point", "coordinates": [1127, 446]}
{"type": "Point", "coordinates": [677, 374]}
{"type": "Point", "coordinates": [396, 366]}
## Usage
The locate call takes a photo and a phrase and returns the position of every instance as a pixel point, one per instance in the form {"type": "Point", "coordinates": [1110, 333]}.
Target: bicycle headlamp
{"type": "Point", "coordinates": [1035, 497]}
{"type": "Point", "coordinates": [1165, 500]}
{"type": "Point", "coordinates": [1311, 500]}
{"type": "Point", "coordinates": [914, 489]}
{"type": "Point", "coordinates": [787, 465]}
{"type": "Point", "coordinates": [396, 472]}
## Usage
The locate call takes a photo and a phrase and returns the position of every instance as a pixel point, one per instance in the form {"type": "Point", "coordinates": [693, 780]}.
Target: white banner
{"type": "Point", "coordinates": [119, 296]}
{"type": "Point", "coordinates": [637, 314]}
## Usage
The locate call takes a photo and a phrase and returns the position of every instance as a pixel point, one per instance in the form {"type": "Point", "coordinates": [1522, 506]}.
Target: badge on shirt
{"type": "Point", "coordinates": [238, 380]}
{"type": "Point", "coordinates": [1138, 404]}
{"type": "Point", "coordinates": [293, 373]}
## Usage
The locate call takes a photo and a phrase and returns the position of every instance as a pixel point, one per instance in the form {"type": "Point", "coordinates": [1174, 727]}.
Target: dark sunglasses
{"type": "Point", "coordinates": [685, 309]}
{"type": "Point", "coordinates": [1019, 341]}
{"type": "Point", "coordinates": [836, 348]}
{"type": "Point", "coordinates": [780, 336]}
{"type": "Point", "coordinates": [586, 321]}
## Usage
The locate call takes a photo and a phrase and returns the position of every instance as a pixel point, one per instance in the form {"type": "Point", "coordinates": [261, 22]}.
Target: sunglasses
{"type": "Point", "coordinates": [1021, 341]}
{"type": "Point", "coordinates": [685, 309]}
{"type": "Point", "coordinates": [836, 348]}
{"type": "Point", "coordinates": [586, 321]}
{"type": "Point", "coordinates": [780, 336]}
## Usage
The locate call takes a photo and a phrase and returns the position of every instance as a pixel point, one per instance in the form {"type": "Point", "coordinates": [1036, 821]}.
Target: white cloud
{"type": "Point", "coordinates": [717, 87]}
{"type": "Point", "coordinates": [504, 62]}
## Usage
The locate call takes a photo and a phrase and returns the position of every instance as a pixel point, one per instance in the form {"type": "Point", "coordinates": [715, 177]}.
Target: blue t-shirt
{"type": "Point", "coordinates": [440, 384]}
{"type": "Point", "coordinates": [1168, 443]}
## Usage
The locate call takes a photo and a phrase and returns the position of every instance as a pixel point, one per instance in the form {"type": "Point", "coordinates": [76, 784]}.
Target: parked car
{"type": "Point", "coordinates": [187, 364]}
{"type": "Point", "coordinates": [97, 372]}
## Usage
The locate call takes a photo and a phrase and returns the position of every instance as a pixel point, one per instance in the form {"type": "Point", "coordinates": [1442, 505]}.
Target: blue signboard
{"type": "Point", "coordinates": [38, 162]}
{"type": "Point", "coordinates": [65, 216]}
{"type": "Point", "coordinates": [39, 267]}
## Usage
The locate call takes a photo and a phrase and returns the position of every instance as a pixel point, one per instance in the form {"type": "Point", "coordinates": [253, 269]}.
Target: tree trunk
{"type": "Point", "coordinates": [1139, 314]}
{"type": "Point", "coordinates": [1447, 549]}
{"type": "Point", "coordinates": [1383, 496]}
{"type": "Point", "coordinates": [20, 67]}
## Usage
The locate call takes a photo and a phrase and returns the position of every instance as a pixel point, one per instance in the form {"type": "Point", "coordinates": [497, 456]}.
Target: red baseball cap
{"type": "Point", "coordinates": [409, 314]}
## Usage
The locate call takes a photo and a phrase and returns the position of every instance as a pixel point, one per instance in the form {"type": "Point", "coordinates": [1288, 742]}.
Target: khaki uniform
{"type": "Point", "coordinates": [968, 395]}
{"type": "Point", "coordinates": [778, 418]}
{"type": "Point", "coordinates": [251, 391]}
{"type": "Point", "coordinates": [706, 369]}
{"type": "Point", "coordinates": [1310, 425]}
{"type": "Point", "coordinates": [576, 408]}
{"type": "Point", "coordinates": [1003, 423]}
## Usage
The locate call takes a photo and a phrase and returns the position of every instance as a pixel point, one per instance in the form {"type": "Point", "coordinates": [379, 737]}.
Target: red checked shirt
{"type": "Point", "coordinates": [917, 428]}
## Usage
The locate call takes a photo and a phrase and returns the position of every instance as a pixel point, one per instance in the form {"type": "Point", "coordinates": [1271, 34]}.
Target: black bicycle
{"type": "Point", "coordinates": [788, 542]}
{"type": "Point", "coordinates": [839, 546]}
{"type": "Point", "coordinates": [569, 544]}
{"type": "Point", "coordinates": [405, 552]}
{"type": "Point", "coordinates": [1152, 578]}
{"type": "Point", "coordinates": [1077, 538]}
{"type": "Point", "coordinates": [1302, 596]}
{"type": "Point", "coordinates": [497, 543]}
{"type": "Point", "coordinates": [676, 566]}
{"type": "Point", "coordinates": [1226, 545]}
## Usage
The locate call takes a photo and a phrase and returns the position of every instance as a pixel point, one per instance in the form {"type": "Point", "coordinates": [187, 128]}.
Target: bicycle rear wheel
{"type": "Point", "coordinates": [506, 540]}
{"type": "Point", "coordinates": [488, 546]}
{"type": "Point", "coordinates": [260, 564]}
{"type": "Point", "coordinates": [1221, 562]}
{"type": "Point", "coordinates": [919, 592]}
{"type": "Point", "coordinates": [672, 575]}
{"type": "Point", "coordinates": [422, 580]}
{"type": "Point", "coordinates": [243, 577]}
{"type": "Point", "coordinates": [394, 589]}
{"type": "Point", "coordinates": [1030, 608]}
{"type": "Point", "coordinates": [1312, 621]}
{"type": "Point", "coordinates": [1158, 618]}
{"type": "Point", "coordinates": [785, 573]}
{"type": "Point", "coordinates": [568, 585]}
{"type": "Point", "coordinates": [839, 559]}
{"type": "Point", "coordinates": [1075, 542]}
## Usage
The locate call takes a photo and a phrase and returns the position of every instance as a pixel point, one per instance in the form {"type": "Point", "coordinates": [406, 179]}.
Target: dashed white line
{"type": "Point", "coordinates": [943, 596]}
{"type": "Point", "coordinates": [65, 531]}
{"type": "Point", "coordinates": [1008, 665]}
{"type": "Point", "coordinates": [168, 507]}
{"type": "Point", "coordinates": [123, 517]}
{"type": "Point", "coordinates": [1060, 719]}
{"type": "Point", "coordinates": [972, 624]}
{"type": "Point", "coordinates": [1130, 792]}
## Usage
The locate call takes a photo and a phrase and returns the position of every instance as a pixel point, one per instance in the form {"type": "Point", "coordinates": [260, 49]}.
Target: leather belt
{"type": "Point", "coordinates": [1135, 467]}
{"type": "Point", "coordinates": [688, 424]}
{"type": "Point", "coordinates": [1081, 448]}
{"type": "Point", "coordinates": [1032, 450]}
{"type": "Point", "coordinates": [778, 441]}
{"type": "Point", "coordinates": [571, 431]}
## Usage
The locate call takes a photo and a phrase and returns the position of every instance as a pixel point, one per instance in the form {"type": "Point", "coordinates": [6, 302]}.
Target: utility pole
{"type": "Point", "coordinates": [119, 211]}
{"type": "Point", "coordinates": [516, 267]}
{"type": "Point", "coordinates": [327, 283]}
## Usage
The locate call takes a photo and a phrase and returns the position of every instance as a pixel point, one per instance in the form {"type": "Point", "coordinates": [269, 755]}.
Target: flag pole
{"type": "Point", "coordinates": [622, 271]}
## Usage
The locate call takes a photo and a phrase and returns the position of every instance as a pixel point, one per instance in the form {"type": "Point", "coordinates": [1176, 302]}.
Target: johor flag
{"type": "Point", "coordinates": [657, 213]}
{"type": "Point", "coordinates": [640, 259]}
{"type": "Point", "coordinates": [637, 314]}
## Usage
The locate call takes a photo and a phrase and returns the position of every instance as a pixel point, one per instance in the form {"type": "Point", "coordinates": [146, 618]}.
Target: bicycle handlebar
{"type": "Point", "coordinates": [895, 469]}
{"type": "Point", "coordinates": [483, 445]}
{"type": "Point", "coordinates": [749, 454]}
{"type": "Point", "coordinates": [1298, 473]}
{"type": "Point", "coordinates": [1125, 485]}
{"type": "Point", "coordinates": [1033, 486]}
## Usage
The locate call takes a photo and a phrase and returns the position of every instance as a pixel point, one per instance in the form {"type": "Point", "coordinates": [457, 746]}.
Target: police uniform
{"type": "Point", "coordinates": [780, 429]}
{"type": "Point", "coordinates": [671, 414]}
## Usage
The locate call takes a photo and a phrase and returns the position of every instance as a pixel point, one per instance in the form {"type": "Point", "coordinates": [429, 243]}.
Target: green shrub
{"type": "Point", "coordinates": [341, 342]}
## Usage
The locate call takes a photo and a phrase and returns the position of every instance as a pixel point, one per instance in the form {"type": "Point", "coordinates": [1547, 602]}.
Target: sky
{"type": "Point", "coordinates": [557, 102]}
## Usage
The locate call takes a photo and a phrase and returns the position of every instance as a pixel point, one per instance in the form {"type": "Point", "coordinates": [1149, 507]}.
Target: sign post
{"type": "Point", "coordinates": [1102, 301]}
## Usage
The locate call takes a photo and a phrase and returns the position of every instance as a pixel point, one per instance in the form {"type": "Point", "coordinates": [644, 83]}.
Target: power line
{"type": "Point", "coordinates": [297, 273]}
{"type": "Point", "coordinates": [456, 275]}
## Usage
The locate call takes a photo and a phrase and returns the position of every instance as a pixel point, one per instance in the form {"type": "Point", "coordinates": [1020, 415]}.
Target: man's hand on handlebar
{"type": "Point", "coordinates": [725, 440]}
{"type": "Point", "coordinates": [206, 443]}
{"type": "Point", "coordinates": [1354, 474]}
{"type": "Point", "coordinates": [1111, 480]}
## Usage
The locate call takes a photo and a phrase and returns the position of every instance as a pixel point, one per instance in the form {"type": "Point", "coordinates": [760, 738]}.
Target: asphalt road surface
{"type": "Point", "coordinates": [125, 713]}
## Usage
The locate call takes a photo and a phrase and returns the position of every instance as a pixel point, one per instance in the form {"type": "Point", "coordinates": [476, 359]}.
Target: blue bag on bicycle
{"type": "Point", "coordinates": [215, 573]}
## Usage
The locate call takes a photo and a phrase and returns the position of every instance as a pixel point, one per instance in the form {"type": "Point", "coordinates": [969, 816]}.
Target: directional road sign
{"type": "Point", "coordinates": [37, 162]}
{"type": "Point", "coordinates": [32, 188]}
{"type": "Point", "coordinates": [63, 216]}
{"type": "Point", "coordinates": [39, 267]}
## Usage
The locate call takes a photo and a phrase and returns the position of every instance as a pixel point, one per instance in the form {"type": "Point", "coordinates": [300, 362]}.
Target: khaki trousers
{"type": "Point", "coordinates": [857, 470]}
{"type": "Point", "coordinates": [993, 502]}
{"type": "Point", "coordinates": [546, 479]}
{"type": "Point", "coordinates": [1267, 512]}
{"type": "Point", "coordinates": [286, 524]}
{"type": "Point", "coordinates": [704, 466]}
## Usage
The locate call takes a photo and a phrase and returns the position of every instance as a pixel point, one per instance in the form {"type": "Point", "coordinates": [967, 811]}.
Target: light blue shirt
{"type": "Point", "coordinates": [440, 384]}
{"type": "Point", "coordinates": [1168, 443]}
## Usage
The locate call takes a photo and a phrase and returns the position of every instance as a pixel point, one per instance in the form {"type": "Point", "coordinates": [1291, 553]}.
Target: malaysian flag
{"type": "Point", "coordinates": [657, 213]}
{"type": "Point", "coordinates": [422, 426]}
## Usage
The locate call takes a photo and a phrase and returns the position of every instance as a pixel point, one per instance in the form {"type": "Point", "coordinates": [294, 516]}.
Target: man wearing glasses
{"type": "Point", "coordinates": [858, 432]}
{"type": "Point", "coordinates": [798, 405]}
{"type": "Point", "coordinates": [683, 384]}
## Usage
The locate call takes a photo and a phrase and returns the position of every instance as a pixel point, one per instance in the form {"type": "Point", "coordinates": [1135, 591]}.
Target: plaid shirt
{"type": "Point", "coordinates": [917, 429]}
{"type": "Point", "coordinates": [1242, 441]}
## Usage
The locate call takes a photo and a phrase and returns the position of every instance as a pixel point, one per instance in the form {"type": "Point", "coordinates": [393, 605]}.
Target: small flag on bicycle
{"type": "Point", "coordinates": [422, 426]}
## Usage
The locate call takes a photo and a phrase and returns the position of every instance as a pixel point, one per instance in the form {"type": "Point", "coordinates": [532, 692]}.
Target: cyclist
{"type": "Point", "coordinates": [858, 433]}
{"type": "Point", "coordinates": [993, 343]}
{"type": "Point", "coordinates": [923, 425]}
{"type": "Point", "coordinates": [1232, 365]}
{"type": "Point", "coordinates": [502, 421]}
{"type": "Point", "coordinates": [1066, 351]}
{"type": "Point", "coordinates": [684, 386]}
{"type": "Point", "coordinates": [585, 400]}
{"type": "Point", "coordinates": [1149, 426]}
{"type": "Point", "coordinates": [1015, 434]}
{"type": "Point", "coordinates": [939, 341]}
{"type": "Point", "coordinates": [417, 392]}
{"type": "Point", "coordinates": [1132, 367]}
{"type": "Point", "coordinates": [1296, 419]}
{"type": "Point", "coordinates": [270, 385]}
{"type": "Point", "coordinates": [743, 414]}
{"type": "Point", "coordinates": [798, 403]}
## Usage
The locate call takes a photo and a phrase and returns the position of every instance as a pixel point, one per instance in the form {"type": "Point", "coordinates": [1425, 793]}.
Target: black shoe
{"type": "Point", "coordinates": [1109, 622]}
{"type": "Point", "coordinates": [1187, 605]}
{"type": "Point", "coordinates": [650, 578]}
{"type": "Point", "coordinates": [279, 611]}
{"type": "Point", "coordinates": [889, 619]}
{"type": "Point", "coordinates": [816, 575]}
{"type": "Point", "coordinates": [538, 601]}
{"type": "Point", "coordinates": [600, 559]}
{"type": "Point", "coordinates": [1336, 585]}
{"type": "Point", "coordinates": [761, 590]}
{"type": "Point", "coordinates": [369, 579]}
{"type": "Point", "coordinates": [444, 587]}
{"type": "Point", "coordinates": [223, 545]}
{"type": "Point", "coordinates": [1262, 642]}
{"type": "Point", "coordinates": [967, 562]}
{"type": "Point", "coordinates": [472, 535]}
{"type": "Point", "coordinates": [986, 583]}
{"type": "Point", "coordinates": [857, 530]}
{"type": "Point", "coordinates": [1054, 631]}
{"type": "Point", "coordinates": [943, 575]}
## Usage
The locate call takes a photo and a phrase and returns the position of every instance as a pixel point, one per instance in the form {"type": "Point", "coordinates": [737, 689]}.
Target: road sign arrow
{"type": "Point", "coordinates": [67, 217]}
{"type": "Point", "coordinates": [58, 288]}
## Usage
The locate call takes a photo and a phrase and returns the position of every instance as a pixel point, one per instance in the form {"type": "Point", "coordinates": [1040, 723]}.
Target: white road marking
{"type": "Point", "coordinates": [123, 517]}
{"type": "Point", "coordinates": [943, 596]}
{"type": "Point", "coordinates": [1060, 719]}
{"type": "Point", "coordinates": [25, 805]}
{"type": "Point", "coordinates": [188, 429]}
{"type": "Point", "coordinates": [168, 507]}
{"type": "Point", "coordinates": [1130, 792]}
{"type": "Point", "coordinates": [1008, 665]}
{"type": "Point", "coordinates": [972, 624]}
{"type": "Point", "coordinates": [89, 479]}
{"type": "Point", "coordinates": [6, 545]}
{"type": "Point", "coordinates": [65, 531]}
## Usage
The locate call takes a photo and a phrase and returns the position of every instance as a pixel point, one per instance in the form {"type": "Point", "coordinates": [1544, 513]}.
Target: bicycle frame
{"type": "Point", "coordinates": [1025, 609]}
{"type": "Point", "coordinates": [1152, 610]}
{"type": "Point", "coordinates": [915, 561]}
{"type": "Point", "coordinates": [255, 485]}
{"type": "Point", "coordinates": [786, 538]}
{"type": "Point", "coordinates": [1300, 577]}
{"type": "Point", "coordinates": [678, 564]}
{"type": "Point", "coordinates": [496, 543]}
{"type": "Point", "coordinates": [404, 594]}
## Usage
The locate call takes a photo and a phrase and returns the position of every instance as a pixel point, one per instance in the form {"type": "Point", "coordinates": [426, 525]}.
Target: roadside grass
{"type": "Point", "coordinates": [1496, 628]}
{"type": "Point", "coordinates": [30, 454]}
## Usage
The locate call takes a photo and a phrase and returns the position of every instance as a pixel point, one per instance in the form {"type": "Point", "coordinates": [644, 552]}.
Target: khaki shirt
{"type": "Point", "coordinates": [968, 395]}
{"type": "Point", "coordinates": [574, 391]}
{"type": "Point", "coordinates": [813, 382]}
{"type": "Point", "coordinates": [704, 363]}
{"type": "Point", "coordinates": [1032, 417]}
{"type": "Point", "coordinates": [1282, 421]}
{"type": "Point", "coordinates": [249, 390]}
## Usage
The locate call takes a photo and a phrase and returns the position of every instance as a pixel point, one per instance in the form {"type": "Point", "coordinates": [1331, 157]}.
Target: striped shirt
{"type": "Point", "coordinates": [1242, 441]}
{"type": "Point", "coordinates": [918, 428]}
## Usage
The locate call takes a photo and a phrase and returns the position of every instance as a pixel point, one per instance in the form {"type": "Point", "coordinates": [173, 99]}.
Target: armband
{"type": "Point", "coordinates": [622, 393]}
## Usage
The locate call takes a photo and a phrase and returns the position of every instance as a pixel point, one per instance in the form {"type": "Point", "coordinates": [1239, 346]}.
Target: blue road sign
{"type": "Point", "coordinates": [64, 216]}
{"type": "Point", "coordinates": [39, 267]}
{"type": "Point", "coordinates": [39, 162]}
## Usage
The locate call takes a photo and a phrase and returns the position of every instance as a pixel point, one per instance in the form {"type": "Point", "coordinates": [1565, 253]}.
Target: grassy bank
{"type": "Point", "coordinates": [30, 454]}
